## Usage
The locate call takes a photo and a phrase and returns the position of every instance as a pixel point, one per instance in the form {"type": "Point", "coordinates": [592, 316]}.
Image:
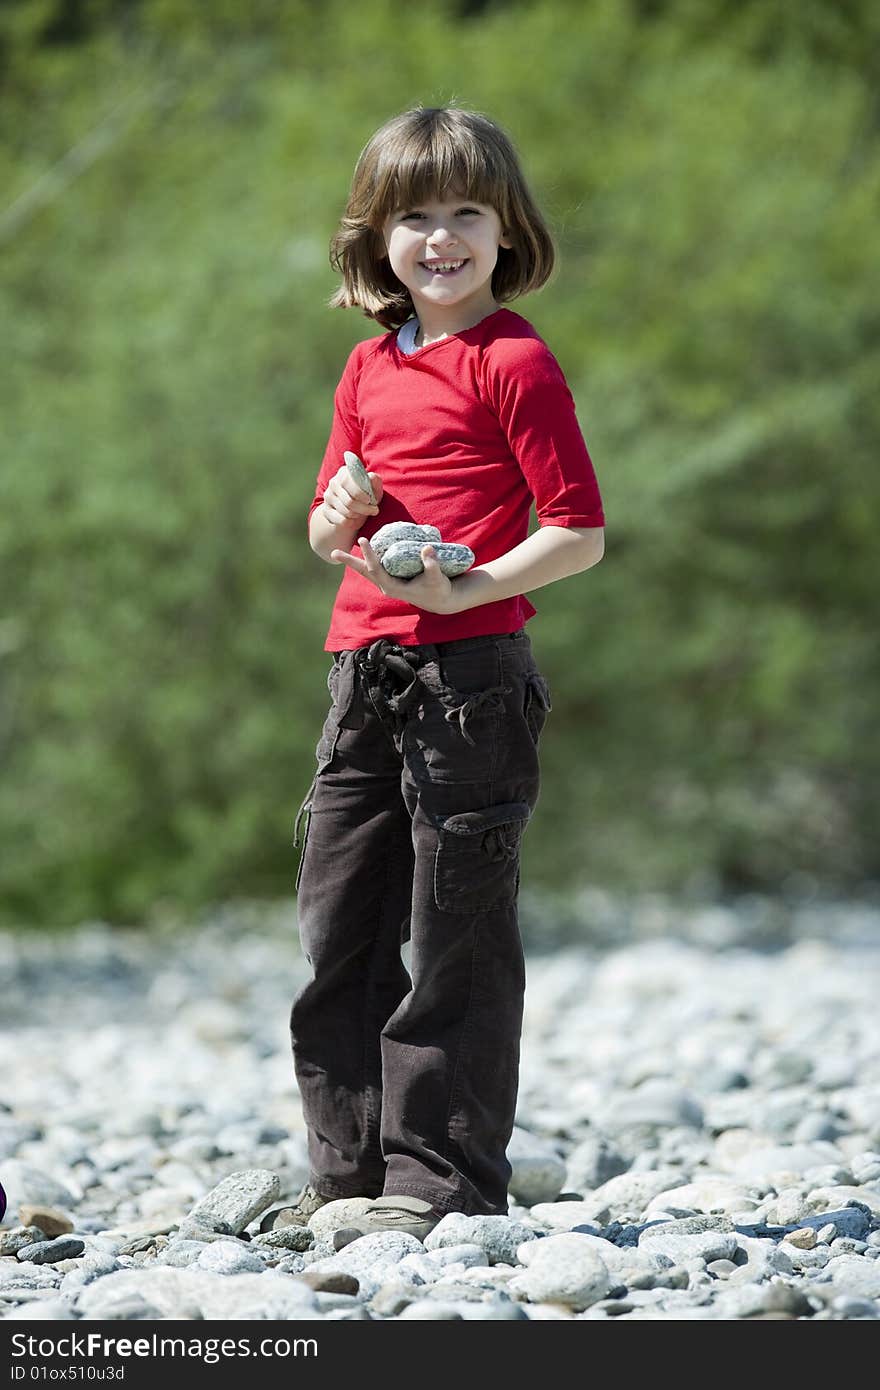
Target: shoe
{"type": "Point", "coordinates": [409, 1214]}
{"type": "Point", "coordinates": [298, 1214]}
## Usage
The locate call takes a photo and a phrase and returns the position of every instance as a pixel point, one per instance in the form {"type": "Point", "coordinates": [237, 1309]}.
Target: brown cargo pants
{"type": "Point", "coordinates": [427, 775]}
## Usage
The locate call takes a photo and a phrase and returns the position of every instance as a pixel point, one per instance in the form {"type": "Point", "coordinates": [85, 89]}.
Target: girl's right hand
{"type": "Point", "coordinates": [344, 501]}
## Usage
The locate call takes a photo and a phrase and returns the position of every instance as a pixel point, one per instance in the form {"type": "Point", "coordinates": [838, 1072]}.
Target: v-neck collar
{"type": "Point", "coordinates": [439, 342]}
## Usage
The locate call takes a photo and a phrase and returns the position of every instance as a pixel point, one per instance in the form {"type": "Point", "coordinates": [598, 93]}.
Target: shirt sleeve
{"type": "Point", "coordinates": [536, 409]}
{"type": "Point", "coordinates": [345, 431]}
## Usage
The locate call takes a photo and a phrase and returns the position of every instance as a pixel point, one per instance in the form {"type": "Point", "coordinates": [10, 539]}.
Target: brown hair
{"type": "Point", "coordinates": [418, 155]}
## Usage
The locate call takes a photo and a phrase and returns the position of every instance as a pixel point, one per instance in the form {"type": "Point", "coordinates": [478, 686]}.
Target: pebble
{"type": "Point", "coordinates": [226, 1257]}
{"type": "Point", "coordinates": [625, 1197]}
{"type": "Point", "coordinates": [680, 1246]}
{"type": "Point", "coordinates": [45, 1252]}
{"type": "Point", "coordinates": [825, 1198]}
{"type": "Point", "coordinates": [394, 531]}
{"type": "Point", "coordinates": [336, 1282]}
{"type": "Point", "coordinates": [24, 1183]}
{"type": "Point", "coordinates": [403, 559]}
{"type": "Point", "coordinates": [564, 1216]}
{"type": "Point", "coordinates": [698, 1117]}
{"type": "Point", "coordinates": [297, 1238]}
{"type": "Point", "coordinates": [20, 1236]}
{"type": "Point", "coordinates": [709, 1195]}
{"type": "Point", "coordinates": [370, 1259]}
{"type": "Point", "coordinates": [359, 474]}
{"type": "Point", "coordinates": [466, 1255]}
{"type": "Point", "coordinates": [592, 1162]}
{"type": "Point", "coordinates": [805, 1238]}
{"type": "Point", "coordinates": [52, 1221]}
{"type": "Point", "coordinates": [50, 1309]}
{"type": "Point", "coordinates": [428, 1310]}
{"type": "Point", "coordinates": [656, 1102]}
{"type": "Point", "coordinates": [538, 1171]}
{"type": "Point", "coordinates": [846, 1307]}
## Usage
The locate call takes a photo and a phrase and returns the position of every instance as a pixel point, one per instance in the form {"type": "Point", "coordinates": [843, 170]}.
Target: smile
{"type": "Point", "coordinates": [442, 267]}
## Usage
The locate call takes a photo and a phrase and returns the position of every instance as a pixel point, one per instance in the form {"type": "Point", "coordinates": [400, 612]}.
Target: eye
{"type": "Point", "coordinates": [405, 216]}
{"type": "Point", "coordinates": [469, 212]}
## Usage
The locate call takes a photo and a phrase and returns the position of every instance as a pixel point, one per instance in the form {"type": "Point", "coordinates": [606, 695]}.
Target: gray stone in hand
{"type": "Point", "coordinates": [454, 558]}
{"type": "Point", "coordinates": [394, 531]}
{"type": "Point", "coordinates": [359, 473]}
{"type": "Point", "coordinates": [403, 559]}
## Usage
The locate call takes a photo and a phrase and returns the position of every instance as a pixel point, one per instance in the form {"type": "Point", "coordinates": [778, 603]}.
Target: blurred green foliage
{"type": "Point", "coordinates": [171, 175]}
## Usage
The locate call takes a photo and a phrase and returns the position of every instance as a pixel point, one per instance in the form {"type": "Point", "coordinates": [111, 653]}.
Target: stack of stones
{"type": "Point", "coordinates": [398, 545]}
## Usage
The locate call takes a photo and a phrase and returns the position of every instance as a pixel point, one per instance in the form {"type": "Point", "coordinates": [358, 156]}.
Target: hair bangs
{"type": "Point", "coordinates": [432, 162]}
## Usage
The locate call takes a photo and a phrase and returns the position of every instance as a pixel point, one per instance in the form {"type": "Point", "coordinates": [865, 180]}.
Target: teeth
{"type": "Point", "coordinates": [442, 265]}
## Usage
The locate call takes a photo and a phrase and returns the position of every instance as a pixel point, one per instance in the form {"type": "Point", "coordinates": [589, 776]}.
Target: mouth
{"type": "Point", "coordinates": [443, 267]}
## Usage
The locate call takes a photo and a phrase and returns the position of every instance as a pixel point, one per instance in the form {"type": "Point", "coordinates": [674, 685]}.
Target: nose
{"type": "Point", "coordinates": [440, 236]}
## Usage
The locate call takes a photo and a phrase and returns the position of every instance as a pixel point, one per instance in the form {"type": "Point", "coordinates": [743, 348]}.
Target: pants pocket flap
{"type": "Point", "coordinates": [478, 822]}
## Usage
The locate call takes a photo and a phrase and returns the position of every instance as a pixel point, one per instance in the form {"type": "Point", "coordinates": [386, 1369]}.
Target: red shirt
{"type": "Point", "coordinates": [465, 433]}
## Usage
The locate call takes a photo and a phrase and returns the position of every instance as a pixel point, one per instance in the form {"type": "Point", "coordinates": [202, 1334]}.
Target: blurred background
{"type": "Point", "coordinates": [171, 174]}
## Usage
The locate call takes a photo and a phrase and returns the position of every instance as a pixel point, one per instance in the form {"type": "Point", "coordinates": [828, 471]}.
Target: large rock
{"type": "Point", "coordinates": [236, 1201]}
{"type": "Point", "coordinates": [497, 1235]}
{"type": "Point", "coordinates": [333, 1216]}
{"type": "Point", "coordinates": [561, 1269]}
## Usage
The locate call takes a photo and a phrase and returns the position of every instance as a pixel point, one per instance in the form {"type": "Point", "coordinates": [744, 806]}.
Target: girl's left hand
{"type": "Point", "coordinates": [431, 590]}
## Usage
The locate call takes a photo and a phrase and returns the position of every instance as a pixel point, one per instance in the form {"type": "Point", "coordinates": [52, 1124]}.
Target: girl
{"type": "Point", "coordinates": [427, 766]}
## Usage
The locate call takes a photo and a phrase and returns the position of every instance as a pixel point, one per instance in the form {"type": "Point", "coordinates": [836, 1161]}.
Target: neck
{"type": "Point", "coordinates": [434, 325]}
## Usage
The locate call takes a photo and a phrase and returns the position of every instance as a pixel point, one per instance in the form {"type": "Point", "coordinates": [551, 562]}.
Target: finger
{"type": "Point", "coordinates": [355, 499]}
{"type": "Point", "coordinates": [345, 558]}
{"type": "Point", "coordinates": [378, 487]}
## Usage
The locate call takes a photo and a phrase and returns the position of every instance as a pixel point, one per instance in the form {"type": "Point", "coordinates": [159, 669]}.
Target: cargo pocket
{"type": "Point", "coordinates": [476, 862]}
{"type": "Point", "coordinates": [536, 703]}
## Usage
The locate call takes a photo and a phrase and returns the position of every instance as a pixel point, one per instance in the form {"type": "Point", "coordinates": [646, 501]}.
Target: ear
{"type": "Point", "coordinates": [505, 240]}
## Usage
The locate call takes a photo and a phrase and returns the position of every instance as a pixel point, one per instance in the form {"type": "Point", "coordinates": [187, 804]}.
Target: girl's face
{"type": "Point", "coordinates": [444, 251]}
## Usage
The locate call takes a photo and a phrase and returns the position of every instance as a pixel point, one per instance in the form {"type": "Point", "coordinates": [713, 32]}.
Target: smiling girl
{"type": "Point", "coordinates": [427, 766]}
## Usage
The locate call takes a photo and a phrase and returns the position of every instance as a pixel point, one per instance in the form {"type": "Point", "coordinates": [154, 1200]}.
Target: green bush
{"type": "Point", "coordinates": [172, 174]}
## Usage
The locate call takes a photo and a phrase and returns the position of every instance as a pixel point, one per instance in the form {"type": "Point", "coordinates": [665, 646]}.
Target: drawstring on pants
{"type": "Point", "coordinates": [303, 807]}
{"type": "Point", "coordinates": [474, 702]}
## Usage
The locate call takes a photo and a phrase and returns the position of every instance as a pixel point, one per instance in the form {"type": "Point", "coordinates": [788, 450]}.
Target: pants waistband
{"type": "Point", "coordinates": [459, 644]}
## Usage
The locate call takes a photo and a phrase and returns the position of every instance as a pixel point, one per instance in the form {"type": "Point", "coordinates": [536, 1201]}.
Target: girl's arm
{"type": "Point", "coordinates": [551, 552]}
{"type": "Point", "coordinates": [548, 554]}
{"type": "Point", "coordinates": [341, 515]}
